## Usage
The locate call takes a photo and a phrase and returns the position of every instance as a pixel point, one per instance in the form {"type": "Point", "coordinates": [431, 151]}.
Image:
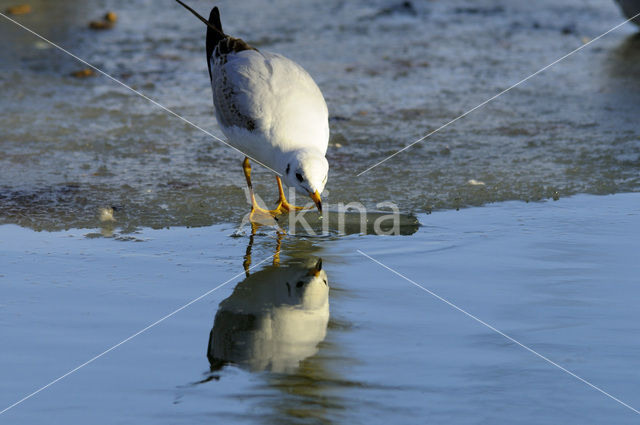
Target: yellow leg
{"type": "Point", "coordinates": [258, 214]}
{"type": "Point", "coordinates": [283, 205]}
{"type": "Point", "coordinates": [246, 167]}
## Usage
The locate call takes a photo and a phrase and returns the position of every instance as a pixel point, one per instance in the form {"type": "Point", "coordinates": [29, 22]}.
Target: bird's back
{"type": "Point", "coordinates": [264, 102]}
{"type": "Point", "coordinates": [270, 95]}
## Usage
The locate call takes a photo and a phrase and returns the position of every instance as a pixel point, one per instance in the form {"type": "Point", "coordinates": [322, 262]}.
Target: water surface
{"type": "Point", "coordinates": [560, 277]}
{"type": "Point", "coordinates": [390, 74]}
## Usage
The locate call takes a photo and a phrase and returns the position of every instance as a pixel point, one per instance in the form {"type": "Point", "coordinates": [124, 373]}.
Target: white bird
{"type": "Point", "coordinates": [269, 108]}
{"type": "Point", "coordinates": [273, 320]}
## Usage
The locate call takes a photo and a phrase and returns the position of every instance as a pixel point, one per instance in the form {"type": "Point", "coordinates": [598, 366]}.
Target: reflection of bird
{"type": "Point", "coordinates": [631, 9]}
{"type": "Point", "coordinates": [273, 320]}
{"type": "Point", "coordinates": [271, 109]}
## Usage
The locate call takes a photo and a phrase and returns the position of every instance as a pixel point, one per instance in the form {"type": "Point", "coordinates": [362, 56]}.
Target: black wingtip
{"type": "Point", "coordinates": [214, 34]}
{"type": "Point", "coordinates": [214, 19]}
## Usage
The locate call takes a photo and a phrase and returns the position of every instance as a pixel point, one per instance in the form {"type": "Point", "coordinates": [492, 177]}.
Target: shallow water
{"type": "Point", "coordinates": [390, 74]}
{"type": "Point", "coordinates": [560, 277]}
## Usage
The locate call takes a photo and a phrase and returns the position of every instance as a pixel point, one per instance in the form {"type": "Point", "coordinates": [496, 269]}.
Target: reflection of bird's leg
{"type": "Point", "coordinates": [283, 205]}
{"type": "Point", "coordinates": [247, 255]}
{"type": "Point", "coordinates": [276, 256]}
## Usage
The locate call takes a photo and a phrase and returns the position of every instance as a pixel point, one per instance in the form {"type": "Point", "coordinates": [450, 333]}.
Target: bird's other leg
{"type": "Point", "coordinates": [283, 205]}
{"type": "Point", "coordinates": [258, 214]}
{"type": "Point", "coordinates": [246, 167]}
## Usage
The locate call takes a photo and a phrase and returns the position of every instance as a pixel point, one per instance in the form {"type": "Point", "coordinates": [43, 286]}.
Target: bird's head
{"type": "Point", "coordinates": [307, 171]}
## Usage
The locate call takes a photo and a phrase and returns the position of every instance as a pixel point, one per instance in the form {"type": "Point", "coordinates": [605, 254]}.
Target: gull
{"type": "Point", "coordinates": [270, 109]}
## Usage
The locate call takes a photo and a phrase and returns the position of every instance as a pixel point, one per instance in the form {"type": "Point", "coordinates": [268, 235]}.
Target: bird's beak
{"type": "Point", "coordinates": [316, 198]}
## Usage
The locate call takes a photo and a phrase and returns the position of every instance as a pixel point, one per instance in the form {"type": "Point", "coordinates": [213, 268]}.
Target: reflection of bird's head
{"type": "Point", "coordinates": [313, 287]}
{"type": "Point", "coordinates": [307, 171]}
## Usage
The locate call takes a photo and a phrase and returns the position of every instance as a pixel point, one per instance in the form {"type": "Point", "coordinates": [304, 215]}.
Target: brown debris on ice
{"type": "Point", "coordinates": [83, 73]}
{"type": "Point", "coordinates": [107, 22]}
{"type": "Point", "coordinates": [19, 9]}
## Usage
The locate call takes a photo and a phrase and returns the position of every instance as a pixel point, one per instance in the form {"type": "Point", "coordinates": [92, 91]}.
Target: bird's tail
{"type": "Point", "coordinates": [214, 30]}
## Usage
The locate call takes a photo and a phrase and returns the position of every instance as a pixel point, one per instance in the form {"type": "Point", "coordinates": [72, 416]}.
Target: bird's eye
{"type": "Point", "coordinates": [299, 284]}
{"type": "Point", "coordinates": [299, 177]}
